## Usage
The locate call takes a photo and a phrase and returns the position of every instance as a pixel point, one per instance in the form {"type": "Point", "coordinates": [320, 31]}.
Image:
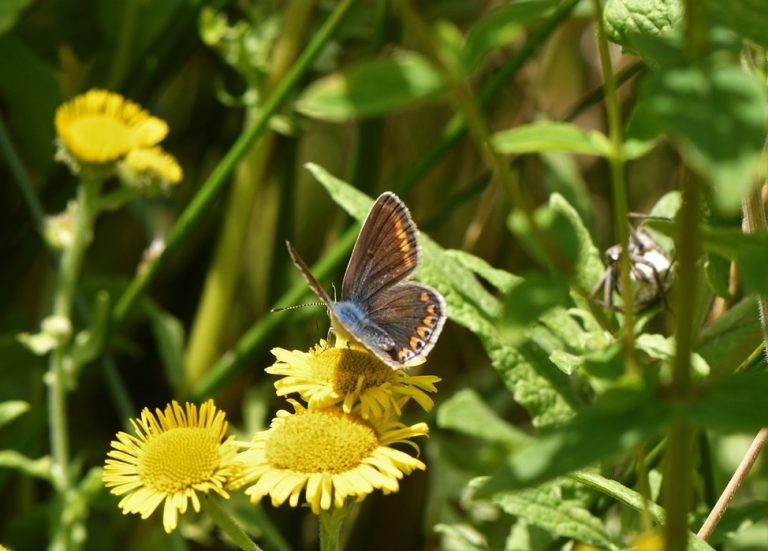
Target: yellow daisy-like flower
{"type": "Point", "coordinates": [175, 454]}
{"type": "Point", "coordinates": [149, 170]}
{"type": "Point", "coordinates": [100, 127]}
{"type": "Point", "coordinates": [328, 456]}
{"type": "Point", "coordinates": [347, 374]}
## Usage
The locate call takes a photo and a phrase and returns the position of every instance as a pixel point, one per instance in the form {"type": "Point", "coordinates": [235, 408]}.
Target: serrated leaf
{"type": "Point", "coordinates": [11, 409]}
{"type": "Point", "coordinates": [466, 413]}
{"type": "Point", "coordinates": [39, 468]}
{"type": "Point", "coordinates": [613, 424]}
{"type": "Point", "coordinates": [635, 23]}
{"type": "Point", "coordinates": [371, 89]}
{"type": "Point", "coordinates": [546, 507]}
{"type": "Point", "coordinates": [715, 116]}
{"type": "Point", "coordinates": [551, 136]}
{"type": "Point", "coordinates": [501, 279]}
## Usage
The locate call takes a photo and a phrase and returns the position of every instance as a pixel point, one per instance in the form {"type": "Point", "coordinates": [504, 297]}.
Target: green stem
{"type": "Point", "coordinates": [58, 377]}
{"type": "Point", "coordinates": [253, 197]}
{"type": "Point", "coordinates": [228, 525]}
{"type": "Point", "coordinates": [678, 463]}
{"type": "Point", "coordinates": [209, 192]}
{"type": "Point", "coordinates": [619, 187]}
{"type": "Point", "coordinates": [330, 522]}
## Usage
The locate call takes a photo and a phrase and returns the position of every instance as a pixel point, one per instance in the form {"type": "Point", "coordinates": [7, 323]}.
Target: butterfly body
{"type": "Point", "coordinates": [396, 319]}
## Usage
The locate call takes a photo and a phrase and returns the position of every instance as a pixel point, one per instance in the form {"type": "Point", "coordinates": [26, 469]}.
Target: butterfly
{"type": "Point", "coordinates": [397, 320]}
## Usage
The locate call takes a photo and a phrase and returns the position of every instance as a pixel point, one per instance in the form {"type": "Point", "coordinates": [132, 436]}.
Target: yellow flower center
{"type": "Point", "coordinates": [346, 366]}
{"type": "Point", "coordinates": [320, 441]}
{"type": "Point", "coordinates": [179, 458]}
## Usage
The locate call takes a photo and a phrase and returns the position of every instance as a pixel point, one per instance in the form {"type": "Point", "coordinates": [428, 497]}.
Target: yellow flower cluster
{"type": "Point", "coordinates": [337, 447]}
{"type": "Point", "coordinates": [101, 131]}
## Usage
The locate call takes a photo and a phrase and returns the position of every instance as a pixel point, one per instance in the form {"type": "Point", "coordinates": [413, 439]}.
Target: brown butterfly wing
{"type": "Point", "coordinates": [385, 253]}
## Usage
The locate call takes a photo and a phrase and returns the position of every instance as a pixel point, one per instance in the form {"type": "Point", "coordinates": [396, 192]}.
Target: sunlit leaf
{"type": "Point", "coordinates": [551, 136]}
{"type": "Point", "coordinates": [466, 413]}
{"type": "Point", "coordinates": [11, 409]}
{"type": "Point", "coordinates": [373, 88]}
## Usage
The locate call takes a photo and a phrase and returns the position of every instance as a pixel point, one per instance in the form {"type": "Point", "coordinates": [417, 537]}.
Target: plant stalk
{"type": "Point", "coordinates": [330, 523]}
{"type": "Point", "coordinates": [228, 524]}
{"type": "Point", "coordinates": [57, 377]}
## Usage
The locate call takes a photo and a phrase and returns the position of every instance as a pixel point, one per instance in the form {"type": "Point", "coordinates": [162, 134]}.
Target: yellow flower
{"type": "Point", "coordinates": [326, 455]}
{"type": "Point", "coordinates": [150, 170]}
{"type": "Point", "coordinates": [174, 455]}
{"type": "Point", "coordinates": [650, 541]}
{"type": "Point", "coordinates": [99, 127]}
{"type": "Point", "coordinates": [348, 374]}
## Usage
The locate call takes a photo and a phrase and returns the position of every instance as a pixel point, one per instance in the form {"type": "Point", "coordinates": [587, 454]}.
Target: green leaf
{"type": "Point", "coordinates": [371, 89]}
{"type": "Point", "coordinates": [618, 421]}
{"type": "Point", "coordinates": [718, 271]}
{"type": "Point", "coordinates": [500, 27]}
{"type": "Point", "coordinates": [634, 500]}
{"type": "Point", "coordinates": [466, 413]}
{"type": "Point", "coordinates": [715, 116]}
{"type": "Point", "coordinates": [547, 508]}
{"type": "Point", "coordinates": [588, 265]}
{"type": "Point", "coordinates": [635, 23]}
{"type": "Point", "coordinates": [531, 297]}
{"type": "Point", "coordinates": [749, 18]}
{"type": "Point", "coordinates": [11, 409]}
{"type": "Point", "coordinates": [749, 251]}
{"type": "Point", "coordinates": [731, 338]}
{"type": "Point", "coordinates": [10, 11]}
{"type": "Point", "coordinates": [39, 468]}
{"type": "Point", "coordinates": [551, 136]}
{"type": "Point", "coordinates": [558, 228]}
{"type": "Point", "coordinates": [734, 404]}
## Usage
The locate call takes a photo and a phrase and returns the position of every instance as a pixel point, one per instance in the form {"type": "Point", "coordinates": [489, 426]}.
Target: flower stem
{"type": "Point", "coordinates": [331, 522]}
{"type": "Point", "coordinates": [228, 525]}
{"type": "Point", "coordinates": [57, 377]}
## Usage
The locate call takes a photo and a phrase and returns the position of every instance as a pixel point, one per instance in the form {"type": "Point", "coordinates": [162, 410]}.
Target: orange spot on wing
{"type": "Point", "coordinates": [431, 310]}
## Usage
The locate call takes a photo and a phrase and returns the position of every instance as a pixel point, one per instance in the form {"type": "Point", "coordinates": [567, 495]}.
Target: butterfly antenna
{"type": "Point", "coordinates": [295, 306]}
{"type": "Point", "coordinates": [333, 286]}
